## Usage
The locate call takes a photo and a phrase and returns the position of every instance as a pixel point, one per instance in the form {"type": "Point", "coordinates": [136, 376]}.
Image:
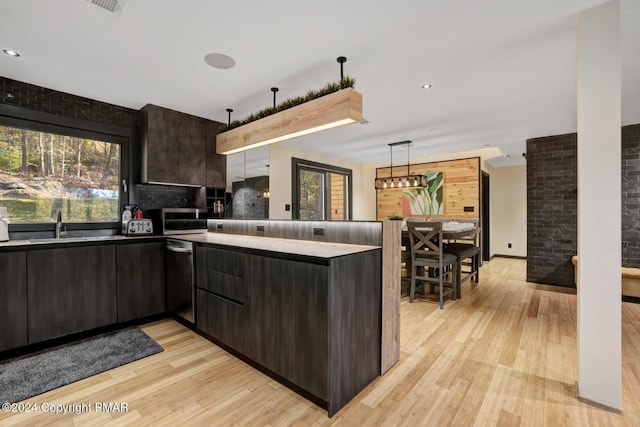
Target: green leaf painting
{"type": "Point", "coordinates": [427, 200]}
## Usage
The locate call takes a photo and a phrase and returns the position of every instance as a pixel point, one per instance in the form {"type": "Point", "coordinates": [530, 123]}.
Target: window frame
{"type": "Point", "coordinates": [23, 118]}
{"type": "Point", "coordinates": [297, 165]}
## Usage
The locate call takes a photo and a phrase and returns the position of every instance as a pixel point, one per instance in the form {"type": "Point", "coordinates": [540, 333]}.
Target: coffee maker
{"type": "Point", "coordinates": [4, 225]}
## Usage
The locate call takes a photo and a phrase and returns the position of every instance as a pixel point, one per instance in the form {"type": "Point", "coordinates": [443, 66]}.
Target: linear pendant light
{"type": "Point", "coordinates": [405, 181]}
{"type": "Point", "coordinates": [329, 111]}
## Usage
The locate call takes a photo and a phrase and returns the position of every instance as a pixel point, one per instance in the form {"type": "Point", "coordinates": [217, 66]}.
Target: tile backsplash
{"type": "Point", "coordinates": [150, 196]}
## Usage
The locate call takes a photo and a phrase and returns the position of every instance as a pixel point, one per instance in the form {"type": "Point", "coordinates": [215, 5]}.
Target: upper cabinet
{"type": "Point", "coordinates": [216, 163]}
{"type": "Point", "coordinates": [175, 149]}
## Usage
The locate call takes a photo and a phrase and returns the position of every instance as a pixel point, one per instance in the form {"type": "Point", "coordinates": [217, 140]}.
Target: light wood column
{"type": "Point", "coordinates": [390, 342]}
{"type": "Point", "coordinates": [599, 225]}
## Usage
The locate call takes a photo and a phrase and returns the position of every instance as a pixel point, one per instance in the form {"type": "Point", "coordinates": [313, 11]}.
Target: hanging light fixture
{"type": "Point", "coordinates": [336, 109]}
{"type": "Point", "coordinates": [407, 181]}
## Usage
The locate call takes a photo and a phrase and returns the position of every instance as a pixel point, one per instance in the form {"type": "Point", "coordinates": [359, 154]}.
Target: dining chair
{"type": "Point", "coordinates": [467, 252]}
{"type": "Point", "coordinates": [429, 263]}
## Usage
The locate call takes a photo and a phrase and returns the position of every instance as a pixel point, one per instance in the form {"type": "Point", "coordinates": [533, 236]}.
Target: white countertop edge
{"type": "Point", "coordinates": [279, 245]}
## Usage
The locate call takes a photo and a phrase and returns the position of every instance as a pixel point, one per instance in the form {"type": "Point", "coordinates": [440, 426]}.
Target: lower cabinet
{"type": "Point", "coordinates": [288, 320]}
{"type": "Point", "coordinates": [223, 319]}
{"type": "Point", "coordinates": [13, 300]}
{"type": "Point", "coordinates": [70, 290]}
{"type": "Point", "coordinates": [140, 280]}
{"type": "Point", "coordinates": [221, 291]}
{"type": "Point", "coordinates": [313, 321]}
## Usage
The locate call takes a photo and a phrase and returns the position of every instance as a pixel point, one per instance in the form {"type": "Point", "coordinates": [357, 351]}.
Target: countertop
{"type": "Point", "coordinates": [271, 244]}
{"type": "Point", "coordinates": [306, 248]}
{"type": "Point", "coordinates": [24, 244]}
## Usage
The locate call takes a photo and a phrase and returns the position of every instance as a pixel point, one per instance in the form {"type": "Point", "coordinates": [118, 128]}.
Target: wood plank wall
{"type": "Point", "coordinates": [337, 196]}
{"type": "Point", "coordinates": [461, 188]}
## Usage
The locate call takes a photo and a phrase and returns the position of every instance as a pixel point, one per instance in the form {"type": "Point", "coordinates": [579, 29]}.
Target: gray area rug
{"type": "Point", "coordinates": [36, 373]}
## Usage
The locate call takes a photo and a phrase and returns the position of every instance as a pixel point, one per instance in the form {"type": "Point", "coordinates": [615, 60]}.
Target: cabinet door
{"type": "Point", "coordinates": [193, 150]}
{"type": "Point", "coordinates": [223, 319]}
{"type": "Point", "coordinates": [288, 306]}
{"type": "Point", "coordinates": [140, 280]}
{"type": "Point", "coordinates": [13, 300]}
{"type": "Point", "coordinates": [160, 135]}
{"type": "Point", "coordinates": [70, 290]}
{"type": "Point", "coordinates": [221, 294]}
{"type": "Point", "coordinates": [216, 163]}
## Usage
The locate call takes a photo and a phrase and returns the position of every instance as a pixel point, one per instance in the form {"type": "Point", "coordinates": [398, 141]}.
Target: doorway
{"type": "Point", "coordinates": [484, 213]}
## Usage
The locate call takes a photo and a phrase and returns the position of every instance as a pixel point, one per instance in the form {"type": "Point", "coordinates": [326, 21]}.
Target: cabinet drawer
{"type": "Point", "coordinates": [222, 261]}
{"type": "Point", "coordinates": [225, 285]}
{"type": "Point", "coordinates": [224, 320]}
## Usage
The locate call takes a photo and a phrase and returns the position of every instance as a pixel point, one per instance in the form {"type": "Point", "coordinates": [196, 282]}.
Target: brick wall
{"type": "Point", "coordinates": [151, 196]}
{"type": "Point", "coordinates": [552, 205]}
{"type": "Point", "coordinates": [246, 203]}
{"type": "Point", "coordinates": [36, 98]}
{"type": "Point", "coordinates": [552, 208]}
{"type": "Point", "coordinates": [631, 196]}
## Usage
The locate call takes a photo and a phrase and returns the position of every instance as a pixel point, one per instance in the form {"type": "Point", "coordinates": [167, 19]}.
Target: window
{"type": "Point", "coordinates": [321, 192]}
{"type": "Point", "coordinates": [43, 172]}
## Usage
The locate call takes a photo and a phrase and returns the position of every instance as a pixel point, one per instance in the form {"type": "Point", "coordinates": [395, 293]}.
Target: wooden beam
{"type": "Point", "coordinates": [336, 109]}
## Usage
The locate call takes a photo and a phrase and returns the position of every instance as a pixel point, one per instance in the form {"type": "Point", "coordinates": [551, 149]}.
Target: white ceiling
{"type": "Point", "coordinates": [502, 70]}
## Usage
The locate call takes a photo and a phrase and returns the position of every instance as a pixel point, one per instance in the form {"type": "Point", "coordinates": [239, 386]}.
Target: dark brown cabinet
{"type": "Point", "coordinates": [288, 320]}
{"type": "Point", "coordinates": [13, 300]}
{"type": "Point", "coordinates": [315, 322]}
{"type": "Point", "coordinates": [193, 150]}
{"type": "Point", "coordinates": [221, 296]}
{"type": "Point", "coordinates": [140, 280]}
{"type": "Point", "coordinates": [160, 146]}
{"type": "Point", "coordinates": [216, 163]}
{"type": "Point", "coordinates": [71, 289]}
{"type": "Point", "coordinates": [175, 149]}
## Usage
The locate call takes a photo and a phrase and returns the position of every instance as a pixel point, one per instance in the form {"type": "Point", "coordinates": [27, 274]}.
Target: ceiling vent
{"type": "Point", "coordinates": [113, 6]}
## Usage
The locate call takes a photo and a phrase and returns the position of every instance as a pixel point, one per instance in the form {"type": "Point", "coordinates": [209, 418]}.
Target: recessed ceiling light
{"type": "Point", "coordinates": [219, 60]}
{"type": "Point", "coordinates": [11, 52]}
{"type": "Point", "coordinates": [426, 86]}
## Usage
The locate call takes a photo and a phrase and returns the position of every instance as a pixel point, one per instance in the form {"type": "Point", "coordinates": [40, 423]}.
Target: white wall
{"type": "Point", "coordinates": [508, 210]}
{"type": "Point", "coordinates": [280, 155]}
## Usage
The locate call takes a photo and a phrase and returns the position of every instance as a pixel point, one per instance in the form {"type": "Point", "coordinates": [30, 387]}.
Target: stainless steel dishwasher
{"type": "Point", "coordinates": [180, 278]}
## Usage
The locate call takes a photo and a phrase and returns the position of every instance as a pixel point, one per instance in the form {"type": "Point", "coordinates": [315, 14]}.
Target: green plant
{"type": "Point", "coordinates": [331, 87]}
{"type": "Point", "coordinates": [395, 217]}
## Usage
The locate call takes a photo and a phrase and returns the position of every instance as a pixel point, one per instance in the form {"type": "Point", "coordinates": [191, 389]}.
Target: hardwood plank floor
{"type": "Point", "coordinates": [503, 355]}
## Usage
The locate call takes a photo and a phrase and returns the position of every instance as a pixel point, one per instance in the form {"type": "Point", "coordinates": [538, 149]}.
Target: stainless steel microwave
{"type": "Point", "coordinates": [182, 221]}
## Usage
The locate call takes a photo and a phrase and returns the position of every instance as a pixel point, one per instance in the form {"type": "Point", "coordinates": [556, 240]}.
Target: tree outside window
{"type": "Point", "coordinates": [42, 173]}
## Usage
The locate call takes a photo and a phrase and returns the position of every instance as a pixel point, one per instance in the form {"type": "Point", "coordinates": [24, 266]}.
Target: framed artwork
{"type": "Point", "coordinates": [427, 199]}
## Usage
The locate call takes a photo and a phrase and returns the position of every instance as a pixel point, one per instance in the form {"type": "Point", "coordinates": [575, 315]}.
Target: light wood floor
{"type": "Point", "coordinates": [505, 354]}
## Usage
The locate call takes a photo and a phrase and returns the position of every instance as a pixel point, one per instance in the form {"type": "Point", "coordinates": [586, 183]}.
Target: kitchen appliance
{"type": "Point", "coordinates": [137, 227]}
{"type": "Point", "coordinates": [180, 278]}
{"type": "Point", "coordinates": [4, 225]}
{"type": "Point", "coordinates": [181, 220]}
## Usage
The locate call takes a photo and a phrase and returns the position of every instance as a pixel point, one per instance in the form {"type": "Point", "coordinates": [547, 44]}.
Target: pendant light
{"type": "Point", "coordinates": [406, 181]}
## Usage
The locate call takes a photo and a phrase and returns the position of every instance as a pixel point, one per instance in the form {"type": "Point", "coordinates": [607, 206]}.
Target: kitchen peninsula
{"type": "Point", "coordinates": [307, 312]}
